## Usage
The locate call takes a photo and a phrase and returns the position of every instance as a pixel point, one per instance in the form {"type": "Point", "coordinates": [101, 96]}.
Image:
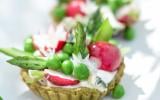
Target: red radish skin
{"type": "Point", "coordinates": [126, 20]}
{"type": "Point", "coordinates": [60, 81]}
{"type": "Point", "coordinates": [108, 54]}
{"type": "Point", "coordinates": [74, 8]}
{"type": "Point", "coordinates": [50, 42]}
{"type": "Point", "coordinates": [60, 45]}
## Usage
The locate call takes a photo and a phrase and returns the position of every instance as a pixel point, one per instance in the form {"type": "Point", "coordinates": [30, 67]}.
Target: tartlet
{"type": "Point", "coordinates": [82, 93]}
{"type": "Point", "coordinates": [66, 65]}
{"type": "Point", "coordinates": [122, 14]}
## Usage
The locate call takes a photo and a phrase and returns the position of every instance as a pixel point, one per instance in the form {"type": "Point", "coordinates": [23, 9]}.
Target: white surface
{"type": "Point", "coordinates": [18, 18]}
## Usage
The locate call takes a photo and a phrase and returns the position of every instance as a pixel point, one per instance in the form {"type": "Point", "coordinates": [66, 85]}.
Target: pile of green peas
{"type": "Point", "coordinates": [61, 61]}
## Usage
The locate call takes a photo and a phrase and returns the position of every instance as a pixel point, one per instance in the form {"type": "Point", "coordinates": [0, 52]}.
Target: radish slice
{"type": "Point", "coordinates": [60, 45]}
{"type": "Point", "coordinates": [59, 79]}
{"type": "Point", "coordinates": [51, 42]}
{"type": "Point", "coordinates": [74, 8]}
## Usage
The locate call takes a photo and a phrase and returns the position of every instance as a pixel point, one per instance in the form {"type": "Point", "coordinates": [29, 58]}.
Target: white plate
{"type": "Point", "coordinates": [142, 74]}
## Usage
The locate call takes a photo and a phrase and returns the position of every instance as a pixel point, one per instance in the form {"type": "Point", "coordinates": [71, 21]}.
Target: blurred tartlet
{"type": "Point", "coordinates": [122, 15]}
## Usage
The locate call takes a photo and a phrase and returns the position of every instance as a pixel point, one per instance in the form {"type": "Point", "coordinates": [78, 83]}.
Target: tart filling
{"type": "Point", "coordinates": [94, 81]}
{"type": "Point", "coordinates": [122, 15]}
{"type": "Point", "coordinates": [68, 59]}
{"type": "Point", "coordinates": [89, 8]}
{"type": "Point", "coordinates": [71, 67]}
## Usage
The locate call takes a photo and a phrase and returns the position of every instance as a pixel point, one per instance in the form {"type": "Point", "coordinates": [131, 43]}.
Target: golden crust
{"type": "Point", "coordinates": [81, 93]}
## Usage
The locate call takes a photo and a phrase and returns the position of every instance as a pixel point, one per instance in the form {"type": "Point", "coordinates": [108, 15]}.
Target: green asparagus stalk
{"type": "Point", "coordinates": [25, 62]}
{"type": "Point", "coordinates": [104, 32]}
{"type": "Point", "coordinates": [13, 52]}
{"type": "Point", "coordinates": [116, 4]}
{"type": "Point", "coordinates": [94, 22]}
{"type": "Point", "coordinates": [113, 4]}
{"type": "Point", "coordinates": [63, 1]}
{"type": "Point", "coordinates": [100, 1]}
{"type": "Point", "coordinates": [80, 43]}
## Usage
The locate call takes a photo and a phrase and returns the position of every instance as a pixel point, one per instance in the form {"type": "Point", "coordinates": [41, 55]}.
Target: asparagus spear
{"type": "Point", "coordinates": [80, 43]}
{"type": "Point", "coordinates": [100, 1]}
{"type": "Point", "coordinates": [94, 22]}
{"type": "Point", "coordinates": [13, 52]}
{"type": "Point", "coordinates": [113, 4]}
{"type": "Point", "coordinates": [25, 62]}
{"type": "Point", "coordinates": [116, 4]}
{"type": "Point", "coordinates": [63, 1]}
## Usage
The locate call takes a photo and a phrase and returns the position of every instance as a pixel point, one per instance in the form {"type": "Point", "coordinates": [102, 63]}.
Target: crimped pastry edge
{"type": "Point", "coordinates": [81, 93]}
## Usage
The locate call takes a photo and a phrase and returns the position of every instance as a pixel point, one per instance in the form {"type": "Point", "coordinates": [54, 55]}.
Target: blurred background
{"type": "Point", "coordinates": [19, 18]}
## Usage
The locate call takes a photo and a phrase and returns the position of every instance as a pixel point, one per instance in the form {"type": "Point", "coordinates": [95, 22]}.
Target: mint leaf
{"type": "Point", "coordinates": [104, 32]}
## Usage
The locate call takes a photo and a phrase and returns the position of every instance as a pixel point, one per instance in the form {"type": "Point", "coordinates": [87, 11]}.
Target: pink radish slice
{"type": "Point", "coordinates": [57, 80]}
{"type": "Point", "coordinates": [60, 46]}
{"type": "Point", "coordinates": [50, 42]}
{"type": "Point", "coordinates": [74, 8]}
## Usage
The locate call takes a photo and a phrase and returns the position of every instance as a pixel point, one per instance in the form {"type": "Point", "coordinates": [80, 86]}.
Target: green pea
{"type": "Point", "coordinates": [118, 92]}
{"type": "Point", "coordinates": [67, 67]}
{"type": "Point", "coordinates": [54, 63]}
{"type": "Point", "coordinates": [101, 1]}
{"type": "Point", "coordinates": [59, 13]}
{"type": "Point", "coordinates": [62, 56]}
{"type": "Point", "coordinates": [129, 33]}
{"type": "Point", "coordinates": [63, 1]}
{"type": "Point", "coordinates": [123, 2]}
{"type": "Point", "coordinates": [1, 98]}
{"type": "Point", "coordinates": [81, 72]}
{"type": "Point", "coordinates": [28, 45]}
{"type": "Point", "coordinates": [68, 48]}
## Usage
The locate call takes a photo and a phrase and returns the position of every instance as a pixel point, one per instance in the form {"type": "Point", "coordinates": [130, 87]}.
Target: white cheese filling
{"type": "Point", "coordinates": [90, 83]}
{"type": "Point", "coordinates": [89, 8]}
{"type": "Point", "coordinates": [98, 79]}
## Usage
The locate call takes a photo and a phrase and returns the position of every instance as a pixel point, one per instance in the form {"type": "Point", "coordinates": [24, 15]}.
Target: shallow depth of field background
{"type": "Point", "coordinates": [19, 18]}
